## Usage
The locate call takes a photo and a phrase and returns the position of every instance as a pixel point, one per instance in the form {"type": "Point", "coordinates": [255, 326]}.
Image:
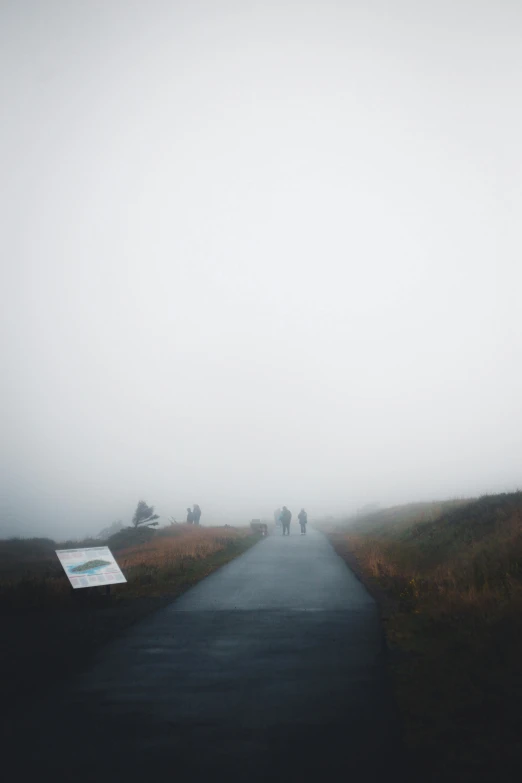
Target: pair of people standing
{"type": "Point", "coordinates": [285, 517]}
{"type": "Point", "coordinates": [194, 515]}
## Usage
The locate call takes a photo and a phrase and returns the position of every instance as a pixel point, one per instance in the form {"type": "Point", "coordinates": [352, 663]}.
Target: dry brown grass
{"type": "Point", "coordinates": [178, 542]}
{"type": "Point", "coordinates": [450, 588]}
{"type": "Point", "coordinates": [175, 552]}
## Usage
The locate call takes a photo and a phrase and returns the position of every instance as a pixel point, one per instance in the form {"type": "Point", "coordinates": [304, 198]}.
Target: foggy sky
{"type": "Point", "coordinates": [257, 253]}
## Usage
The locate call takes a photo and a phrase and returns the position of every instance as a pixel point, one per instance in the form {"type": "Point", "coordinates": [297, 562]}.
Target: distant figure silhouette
{"type": "Point", "coordinates": [196, 513]}
{"type": "Point", "coordinates": [303, 519]}
{"type": "Point", "coordinates": [190, 516]}
{"type": "Point", "coordinates": [277, 517]}
{"type": "Point", "coordinates": [286, 518]}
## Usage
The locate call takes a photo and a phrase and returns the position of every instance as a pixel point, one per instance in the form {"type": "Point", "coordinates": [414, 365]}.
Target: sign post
{"type": "Point", "coordinates": [92, 567]}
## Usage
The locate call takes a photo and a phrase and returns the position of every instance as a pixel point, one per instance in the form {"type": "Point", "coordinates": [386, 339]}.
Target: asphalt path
{"type": "Point", "coordinates": [273, 666]}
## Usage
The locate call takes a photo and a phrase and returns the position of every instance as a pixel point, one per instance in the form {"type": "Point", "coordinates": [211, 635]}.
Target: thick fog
{"type": "Point", "coordinates": [257, 253]}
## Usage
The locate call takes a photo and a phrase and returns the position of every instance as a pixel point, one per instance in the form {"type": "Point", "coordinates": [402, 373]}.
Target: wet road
{"type": "Point", "coordinates": [272, 666]}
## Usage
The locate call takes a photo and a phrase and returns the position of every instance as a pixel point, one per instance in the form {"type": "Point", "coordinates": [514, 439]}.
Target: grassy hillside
{"type": "Point", "coordinates": [448, 578]}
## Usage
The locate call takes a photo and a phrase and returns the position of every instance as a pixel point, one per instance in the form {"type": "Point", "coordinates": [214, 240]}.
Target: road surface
{"type": "Point", "coordinates": [272, 667]}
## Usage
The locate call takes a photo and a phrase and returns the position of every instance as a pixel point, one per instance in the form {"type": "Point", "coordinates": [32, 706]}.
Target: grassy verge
{"type": "Point", "coordinates": [51, 632]}
{"type": "Point", "coordinates": [448, 579]}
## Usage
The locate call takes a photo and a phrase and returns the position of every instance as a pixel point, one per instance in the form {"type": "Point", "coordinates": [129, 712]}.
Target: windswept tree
{"type": "Point", "coordinates": [144, 515]}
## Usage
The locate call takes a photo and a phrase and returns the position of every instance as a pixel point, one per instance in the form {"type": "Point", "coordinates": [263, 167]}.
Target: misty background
{"type": "Point", "coordinates": [257, 253]}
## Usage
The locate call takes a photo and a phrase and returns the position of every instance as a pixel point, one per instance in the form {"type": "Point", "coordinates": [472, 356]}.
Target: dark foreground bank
{"type": "Point", "coordinates": [271, 667]}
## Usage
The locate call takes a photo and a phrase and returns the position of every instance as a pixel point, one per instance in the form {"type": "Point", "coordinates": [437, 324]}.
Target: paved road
{"type": "Point", "coordinates": [271, 667]}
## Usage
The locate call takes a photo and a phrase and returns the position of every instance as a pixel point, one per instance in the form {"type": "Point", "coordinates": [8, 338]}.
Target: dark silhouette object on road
{"type": "Point", "coordinates": [196, 513]}
{"type": "Point", "coordinates": [286, 518]}
{"type": "Point", "coordinates": [303, 519]}
{"type": "Point", "coordinates": [259, 527]}
{"type": "Point", "coordinates": [190, 516]}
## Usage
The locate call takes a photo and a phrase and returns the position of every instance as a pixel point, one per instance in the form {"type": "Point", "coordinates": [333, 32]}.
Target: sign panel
{"type": "Point", "coordinates": [90, 567]}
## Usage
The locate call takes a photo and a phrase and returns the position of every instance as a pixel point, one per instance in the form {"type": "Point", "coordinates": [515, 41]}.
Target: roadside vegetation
{"type": "Point", "coordinates": [448, 579]}
{"type": "Point", "coordinates": [153, 562]}
{"type": "Point", "coordinates": [51, 631]}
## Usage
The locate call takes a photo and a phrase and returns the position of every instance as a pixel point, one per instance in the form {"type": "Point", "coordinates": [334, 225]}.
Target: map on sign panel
{"type": "Point", "coordinates": [90, 567]}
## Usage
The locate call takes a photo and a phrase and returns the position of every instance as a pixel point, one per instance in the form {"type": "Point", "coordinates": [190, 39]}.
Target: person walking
{"type": "Point", "coordinates": [303, 519]}
{"type": "Point", "coordinates": [196, 514]}
{"type": "Point", "coordinates": [190, 516]}
{"type": "Point", "coordinates": [286, 518]}
{"type": "Point", "coordinates": [277, 517]}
